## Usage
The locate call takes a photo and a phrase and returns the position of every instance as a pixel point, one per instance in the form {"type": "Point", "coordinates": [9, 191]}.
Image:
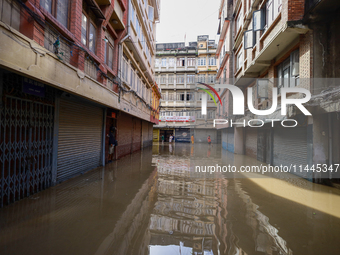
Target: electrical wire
{"type": "Point", "coordinates": [47, 26]}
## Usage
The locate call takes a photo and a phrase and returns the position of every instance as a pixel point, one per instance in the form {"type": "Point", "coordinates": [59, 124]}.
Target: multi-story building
{"type": "Point", "coordinates": [179, 71]}
{"type": "Point", "coordinates": [62, 90]}
{"type": "Point", "coordinates": [278, 44]}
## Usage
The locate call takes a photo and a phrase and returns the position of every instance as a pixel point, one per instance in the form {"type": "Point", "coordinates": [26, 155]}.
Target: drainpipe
{"type": "Point", "coordinates": [330, 143]}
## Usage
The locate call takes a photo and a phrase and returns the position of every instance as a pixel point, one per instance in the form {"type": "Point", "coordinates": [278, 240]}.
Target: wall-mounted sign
{"type": "Point", "coordinates": [33, 87]}
{"type": "Point", "coordinates": [177, 118]}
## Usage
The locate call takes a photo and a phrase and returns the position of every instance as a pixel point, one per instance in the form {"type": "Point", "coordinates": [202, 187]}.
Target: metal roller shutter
{"type": "Point", "coordinates": [231, 139]}
{"type": "Point", "coordinates": [80, 138]}
{"type": "Point", "coordinates": [251, 142]}
{"type": "Point", "coordinates": [290, 147]}
{"type": "Point", "coordinates": [261, 144]}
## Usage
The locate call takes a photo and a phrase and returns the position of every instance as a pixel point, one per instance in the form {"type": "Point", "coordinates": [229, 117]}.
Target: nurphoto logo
{"type": "Point", "coordinates": [239, 104]}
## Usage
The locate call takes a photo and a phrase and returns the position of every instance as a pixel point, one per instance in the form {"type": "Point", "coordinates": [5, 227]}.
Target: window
{"type": "Point", "coordinates": [211, 114]}
{"type": "Point", "coordinates": [201, 78]}
{"type": "Point", "coordinates": [170, 79]}
{"type": "Point", "coordinates": [239, 61]}
{"type": "Point", "coordinates": [138, 28]}
{"type": "Point", "coordinates": [199, 115]}
{"type": "Point", "coordinates": [180, 79]}
{"type": "Point", "coordinates": [125, 69]}
{"type": "Point", "coordinates": [180, 61]}
{"type": "Point", "coordinates": [288, 72]}
{"type": "Point", "coordinates": [163, 62]}
{"type": "Point", "coordinates": [190, 96]}
{"type": "Point", "coordinates": [163, 79]}
{"type": "Point", "coordinates": [88, 33]}
{"type": "Point", "coordinates": [201, 61]}
{"type": "Point", "coordinates": [132, 79]}
{"type": "Point", "coordinates": [211, 78]}
{"type": "Point", "coordinates": [239, 21]}
{"type": "Point", "coordinates": [109, 50]}
{"type": "Point", "coordinates": [190, 78]}
{"type": "Point", "coordinates": [58, 8]}
{"type": "Point", "coordinates": [212, 61]}
{"type": "Point", "coordinates": [157, 63]}
{"type": "Point", "coordinates": [133, 14]}
{"type": "Point", "coordinates": [191, 61]}
{"type": "Point", "coordinates": [273, 8]}
{"type": "Point", "coordinates": [180, 97]}
{"type": "Point", "coordinates": [10, 13]}
{"type": "Point", "coordinates": [171, 97]}
{"type": "Point", "coordinates": [151, 13]}
{"type": "Point", "coordinates": [171, 62]}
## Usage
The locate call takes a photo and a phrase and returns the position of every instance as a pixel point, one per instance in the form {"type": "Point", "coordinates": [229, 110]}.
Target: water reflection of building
{"type": "Point", "coordinates": [185, 209]}
{"type": "Point", "coordinates": [265, 235]}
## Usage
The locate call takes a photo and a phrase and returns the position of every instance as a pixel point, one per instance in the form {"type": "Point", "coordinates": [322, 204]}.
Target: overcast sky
{"type": "Point", "coordinates": [190, 17]}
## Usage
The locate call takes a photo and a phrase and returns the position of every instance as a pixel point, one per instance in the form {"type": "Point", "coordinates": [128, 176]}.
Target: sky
{"type": "Point", "coordinates": [187, 17]}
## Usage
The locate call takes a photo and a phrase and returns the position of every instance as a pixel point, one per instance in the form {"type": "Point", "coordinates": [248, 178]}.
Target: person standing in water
{"type": "Point", "coordinates": [170, 138]}
{"type": "Point", "coordinates": [192, 139]}
{"type": "Point", "coordinates": [209, 140]}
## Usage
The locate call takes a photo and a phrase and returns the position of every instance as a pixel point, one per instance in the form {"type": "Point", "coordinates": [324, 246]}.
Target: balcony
{"type": "Point", "coordinates": [116, 19]}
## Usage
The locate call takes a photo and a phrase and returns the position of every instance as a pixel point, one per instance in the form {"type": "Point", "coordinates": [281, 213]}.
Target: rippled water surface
{"type": "Point", "coordinates": [153, 203]}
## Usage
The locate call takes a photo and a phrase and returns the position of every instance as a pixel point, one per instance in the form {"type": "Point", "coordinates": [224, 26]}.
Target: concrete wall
{"type": "Point", "coordinates": [326, 50]}
{"type": "Point", "coordinates": [239, 140]}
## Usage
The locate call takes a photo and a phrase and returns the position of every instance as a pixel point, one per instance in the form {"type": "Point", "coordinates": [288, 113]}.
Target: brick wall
{"type": "Point", "coordinates": [34, 31]}
{"type": "Point", "coordinates": [306, 60]}
{"type": "Point", "coordinates": [296, 9]}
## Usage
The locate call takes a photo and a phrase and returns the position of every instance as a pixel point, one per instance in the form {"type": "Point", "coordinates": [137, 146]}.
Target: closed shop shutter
{"type": "Point", "coordinates": [230, 139]}
{"type": "Point", "coordinates": [251, 142]}
{"type": "Point", "coordinates": [261, 144]}
{"type": "Point", "coordinates": [80, 138]}
{"type": "Point", "coordinates": [290, 147]}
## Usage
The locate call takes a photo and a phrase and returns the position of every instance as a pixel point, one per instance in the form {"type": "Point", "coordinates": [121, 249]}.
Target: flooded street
{"type": "Point", "coordinates": [152, 203]}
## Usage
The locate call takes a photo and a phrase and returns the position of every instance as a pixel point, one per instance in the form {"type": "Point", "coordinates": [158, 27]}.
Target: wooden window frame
{"type": "Point", "coordinates": [108, 45]}
{"type": "Point", "coordinates": [90, 20]}
{"type": "Point", "coordinates": [54, 11]}
{"type": "Point", "coordinates": [107, 54]}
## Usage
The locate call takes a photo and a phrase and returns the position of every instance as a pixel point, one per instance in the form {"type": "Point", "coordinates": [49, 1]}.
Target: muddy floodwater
{"type": "Point", "coordinates": [152, 202]}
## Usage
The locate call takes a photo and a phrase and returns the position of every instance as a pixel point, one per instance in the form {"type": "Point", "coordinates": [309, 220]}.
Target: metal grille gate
{"type": "Point", "coordinates": [26, 140]}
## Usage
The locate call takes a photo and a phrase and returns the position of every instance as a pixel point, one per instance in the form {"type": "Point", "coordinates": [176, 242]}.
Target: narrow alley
{"type": "Point", "coordinates": [153, 202]}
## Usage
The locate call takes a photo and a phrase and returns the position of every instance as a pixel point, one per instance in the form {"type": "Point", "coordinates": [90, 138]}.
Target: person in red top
{"type": "Point", "coordinates": [209, 140]}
